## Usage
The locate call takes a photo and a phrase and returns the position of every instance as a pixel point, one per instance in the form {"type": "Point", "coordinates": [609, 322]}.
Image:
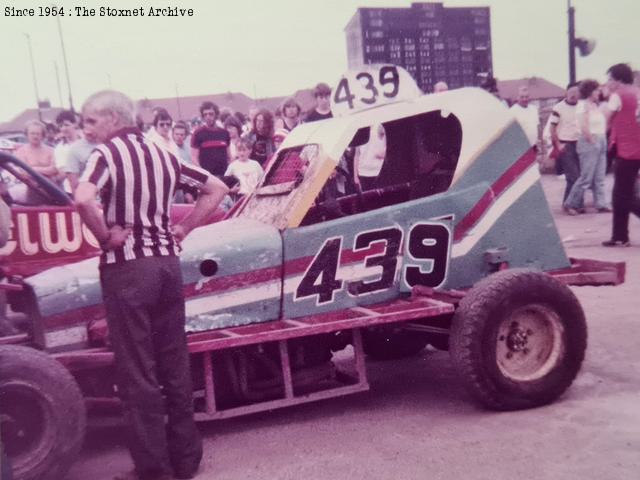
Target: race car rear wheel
{"type": "Point", "coordinates": [518, 339]}
{"type": "Point", "coordinates": [391, 343]}
{"type": "Point", "coordinates": [42, 414]}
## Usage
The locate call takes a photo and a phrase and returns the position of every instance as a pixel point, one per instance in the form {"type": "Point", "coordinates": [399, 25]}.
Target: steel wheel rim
{"type": "Point", "coordinates": [529, 343]}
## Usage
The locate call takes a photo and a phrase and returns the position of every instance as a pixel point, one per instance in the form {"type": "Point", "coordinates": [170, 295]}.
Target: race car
{"type": "Point", "coordinates": [407, 220]}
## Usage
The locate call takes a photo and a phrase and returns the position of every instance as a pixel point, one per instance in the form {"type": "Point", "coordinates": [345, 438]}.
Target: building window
{"type": "Point", "coordinates": [376, 22]}
{"type": "Point", "coordinates": [377, 34]}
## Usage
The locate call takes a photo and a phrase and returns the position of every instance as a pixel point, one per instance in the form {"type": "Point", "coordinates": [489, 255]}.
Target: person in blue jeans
{"type": "Point", "coordinates": [592, 151]}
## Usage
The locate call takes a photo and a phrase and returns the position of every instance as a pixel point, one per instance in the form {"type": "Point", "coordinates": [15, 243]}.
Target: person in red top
{"type": "Point", "coordinates": [210, 143]}
{"type": "Point", "coordinates": [625, 136]}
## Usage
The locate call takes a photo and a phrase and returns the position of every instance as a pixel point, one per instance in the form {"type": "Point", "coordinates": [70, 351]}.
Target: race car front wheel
{"type": "Point", "coordinates": [42, 414]}
{"type": "Point", "coordinates": [518, 339]}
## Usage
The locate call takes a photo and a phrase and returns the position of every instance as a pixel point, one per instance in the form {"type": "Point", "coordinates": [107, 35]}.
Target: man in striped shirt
{"type": "Point", "coordinates": [142, 281]}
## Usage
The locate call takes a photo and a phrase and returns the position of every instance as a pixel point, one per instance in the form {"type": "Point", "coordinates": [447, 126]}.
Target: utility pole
{"type": "Point", "coordinates": [178, 102]}
{"type": "Point", "coordinates": [66, 65]}
{"type": "Point", "coordinates": [55, 66]}
{"type": "Point", "coordinates": [571, 12]}
{"type": "Point", "coordinates": [33, 72]}
{"type": "Point", "coordinates": [584, 45]}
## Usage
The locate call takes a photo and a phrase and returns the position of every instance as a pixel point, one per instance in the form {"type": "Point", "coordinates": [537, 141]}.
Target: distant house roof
{"type": "Point", "coordinates": [539, 89]}
{"type": "Point", "coordinates": [186, 108]}
{"type": "Point", "coordinates": [47, 115]}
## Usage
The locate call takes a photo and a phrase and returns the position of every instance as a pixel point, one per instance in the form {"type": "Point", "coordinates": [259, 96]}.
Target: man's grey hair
{"type": "Point", "coordinates": [35, 123]}
{"type": "Point", "coordinates": [111, 101]}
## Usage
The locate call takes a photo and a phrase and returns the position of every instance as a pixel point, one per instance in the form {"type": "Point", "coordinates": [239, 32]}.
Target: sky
{"type": "Point", "coordinates": [269, 48]}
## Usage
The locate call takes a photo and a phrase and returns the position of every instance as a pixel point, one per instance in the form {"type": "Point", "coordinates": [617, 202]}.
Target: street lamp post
{"type": "Point", "coordinates": [584, 45]}
{"type": "Point", "coordinates": [33, 72]}
{"type": "Point", "coordinates": [572, 42]}
{"type": "Point", "coordinates": [66, 65]}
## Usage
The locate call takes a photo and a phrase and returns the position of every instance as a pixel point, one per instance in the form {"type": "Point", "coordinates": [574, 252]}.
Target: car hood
{"type": "Point", "coordinates": [231, 272]}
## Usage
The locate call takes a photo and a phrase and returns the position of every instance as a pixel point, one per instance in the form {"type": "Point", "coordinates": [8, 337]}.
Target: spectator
{"type": "Point", "coordinates": [527, 115]}
{"type": "Point", "coordinates": [278, 137]}
{"type": "Point", "coordinates": [440, 86]}
{"type": "Point", "coordinates": [66, 122]}
{"type": "Point", "coordinates": [51, 135]}
{"type": "Point", "coordinates": [625, 136]}
{"type": "Point", "coordinates": [179, 135]}
{"type": "Point", "coordinates": [160, 132]}
{"type": "Point", "coordinates": [490, 84]}
{"type": "Point", "coordinates": [322, 110]}
{"type": "Point", "coordinates": [592, 151]}
{"type": "Point", "coordinates": [234, 127]}
{"type": "Point", "coordinates": [35, 153]}
{"type": "Point", "coordinates": [248, 172]}
{"type": "Point", "coordinates": [262, 137]}
{"type": "Point", "coordinates": [78, 156]}
{"type": "Point", "coordinates": [225, 113]}
{"type": "Point", "coordinates": [248, 122]}
{"type": "Point", "coordinates": [290, 115]}
{"type": "Point", "coordinates": [209, 143]}
{"type": "Point", "coordinates": [564, 136]}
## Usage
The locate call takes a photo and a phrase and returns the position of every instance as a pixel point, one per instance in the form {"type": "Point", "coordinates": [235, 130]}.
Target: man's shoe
{"type": "Point", "coordinates": [616, 243]}
{"type": "Point", "coordinates": [133, 475]}
{"type": "Point", "coordinates": [571, 211]}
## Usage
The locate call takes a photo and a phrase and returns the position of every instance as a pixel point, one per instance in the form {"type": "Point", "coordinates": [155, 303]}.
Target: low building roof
{"type": "Point", "coordinates": [539, 89]}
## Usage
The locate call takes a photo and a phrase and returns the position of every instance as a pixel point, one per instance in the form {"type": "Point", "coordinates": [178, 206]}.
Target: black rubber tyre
{"type": "Point", "coordinates": [390, 343]}
{"type": "Point", "coordinates": [43, 414]}
{"type": "Point", "coordinates": [518, 339]}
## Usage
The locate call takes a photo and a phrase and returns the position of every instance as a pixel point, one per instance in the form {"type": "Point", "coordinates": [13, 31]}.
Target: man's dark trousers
{"type": "Point", "coordinates": [570, 166]}
{"type": "Point", "coordinates": [146, 317]}
{"type": "Point", "coordinates": [624, 197]}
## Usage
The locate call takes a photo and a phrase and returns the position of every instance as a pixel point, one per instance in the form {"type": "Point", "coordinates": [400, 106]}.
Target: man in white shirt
{"type": "Point", "coordinates": [68, 125]}
{"type": "Point", "coordinates": [527, 115]}
{"type": "Point", "coordinates": [564, 136]}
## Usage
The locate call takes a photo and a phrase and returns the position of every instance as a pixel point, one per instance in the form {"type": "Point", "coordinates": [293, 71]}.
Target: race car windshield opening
{"type": "Point", "coordinates": [390, 163]}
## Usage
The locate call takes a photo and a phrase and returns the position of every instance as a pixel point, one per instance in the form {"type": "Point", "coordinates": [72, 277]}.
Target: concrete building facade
{"type": "Point", "coordinates": [432, 42]}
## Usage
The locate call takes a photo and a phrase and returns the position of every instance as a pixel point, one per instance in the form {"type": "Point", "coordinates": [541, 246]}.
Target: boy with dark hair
{"type": "Point", "coordinates": [322, 111]}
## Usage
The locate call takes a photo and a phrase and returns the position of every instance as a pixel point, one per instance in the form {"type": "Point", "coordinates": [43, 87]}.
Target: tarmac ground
{"type": "Point", "coordinates": [417, 422]}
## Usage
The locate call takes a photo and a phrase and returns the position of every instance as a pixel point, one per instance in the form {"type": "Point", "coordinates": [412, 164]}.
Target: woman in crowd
{"type": "Point", "coordinates": [262, 137]}
{"type": "Point", "coordinates": [234, 127]}
{"type": "Point", "coordinates": [592, 150]}
{"type": "Point", "coordinates": [290, 115]}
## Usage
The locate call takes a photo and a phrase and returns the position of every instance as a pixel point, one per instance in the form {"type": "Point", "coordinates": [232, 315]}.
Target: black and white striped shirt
{"type": "Point", "coordinates": [137, 181]}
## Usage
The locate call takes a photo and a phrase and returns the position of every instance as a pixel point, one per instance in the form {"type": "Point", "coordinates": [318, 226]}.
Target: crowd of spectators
{"type": "Point", "coordinates": [230, 145]}
{"type": "Point", "coordinates": [237, 148]}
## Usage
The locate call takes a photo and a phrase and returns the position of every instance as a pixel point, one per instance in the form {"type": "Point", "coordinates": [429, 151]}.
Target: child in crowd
{"type": "Point", "coordinates": [247, 171]}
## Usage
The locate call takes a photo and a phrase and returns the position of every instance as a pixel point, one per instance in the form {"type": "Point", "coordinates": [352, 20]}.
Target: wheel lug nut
{"type": "Point", "coordinates": [509, 354]}
{"type": "Point", "coordinates": [501, 338]}
{"type": "Point", "coordinates": [529, 332]}
{"type": "Point", "coordinates": [525, 351]}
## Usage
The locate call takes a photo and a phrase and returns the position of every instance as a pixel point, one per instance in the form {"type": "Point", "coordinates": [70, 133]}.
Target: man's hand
{"type": "Point", "coordinates": [179, 232]}
{"type": "Point", "coordinates": [117, 238]}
